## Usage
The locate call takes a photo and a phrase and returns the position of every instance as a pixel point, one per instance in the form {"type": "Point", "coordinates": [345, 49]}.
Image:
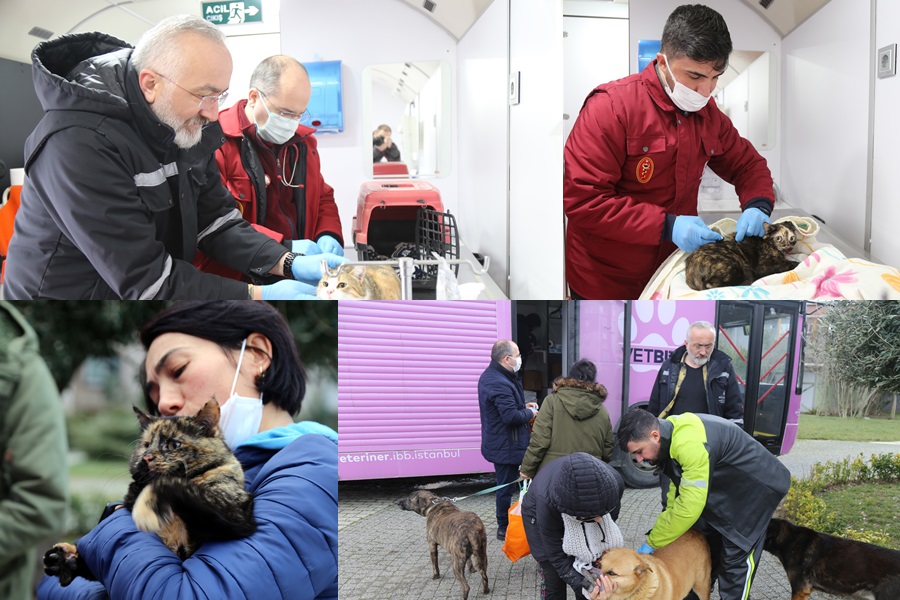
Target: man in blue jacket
{"type": "Point", "coordinates": [504, 422]}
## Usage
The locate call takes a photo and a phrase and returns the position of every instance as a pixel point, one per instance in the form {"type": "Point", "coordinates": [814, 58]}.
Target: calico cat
{"type": "Point", "coordinates": [728, 262]}
{"type": "Point", "coordinates": [360, 283]}
{"type": "Point", "coordinates": [187, 487]}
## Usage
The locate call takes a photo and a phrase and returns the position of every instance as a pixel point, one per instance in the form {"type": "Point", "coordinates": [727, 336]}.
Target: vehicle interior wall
{"type": "Point", "coordinates": [886, 123]}
{"type": "Point", "coordinates": [825, 80]}
{"type": "Point", "coordinates": [371, 32]}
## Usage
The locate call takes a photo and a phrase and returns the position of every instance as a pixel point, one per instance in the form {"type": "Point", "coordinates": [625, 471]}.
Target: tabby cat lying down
{"type": "Point", "coordinates": [727, 262]}
{"type": "Point", "coordinates": [187, 487]}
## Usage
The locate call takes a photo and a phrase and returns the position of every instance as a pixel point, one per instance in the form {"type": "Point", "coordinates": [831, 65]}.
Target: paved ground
{"type": "Point", "coordinates": [383, 553]}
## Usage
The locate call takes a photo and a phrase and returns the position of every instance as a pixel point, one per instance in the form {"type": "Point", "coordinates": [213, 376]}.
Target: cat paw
{"type": "Point", "coordinates": [61, 561]}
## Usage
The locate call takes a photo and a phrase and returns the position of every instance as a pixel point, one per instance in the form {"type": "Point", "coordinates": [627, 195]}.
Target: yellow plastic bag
{"type": "Point", "coordinates": [516, 544]}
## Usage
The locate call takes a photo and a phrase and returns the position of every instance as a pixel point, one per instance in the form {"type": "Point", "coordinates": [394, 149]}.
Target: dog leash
{"type": "Point", "coordinates": [487, 491]}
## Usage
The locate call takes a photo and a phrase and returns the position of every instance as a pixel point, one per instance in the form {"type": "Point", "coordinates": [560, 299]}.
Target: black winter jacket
{"type": "Point", "coordinates": [579, 485]}
{"type": "Point", "coordinates": [723, 394]}
{"type": "Point", "coordinates": [504, 418]}
{"type": "Point", "coordinates": [111, 208]}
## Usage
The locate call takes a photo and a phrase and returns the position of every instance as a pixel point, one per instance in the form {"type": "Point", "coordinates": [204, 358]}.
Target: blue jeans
{"type": "Point", "coordinates": [505, 474]}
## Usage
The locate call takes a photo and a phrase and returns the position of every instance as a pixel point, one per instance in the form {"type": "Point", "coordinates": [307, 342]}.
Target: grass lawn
{"type": "Point", "coordinates": [814, 427]}
{"type": "Point", "coordinates": [872, 507]}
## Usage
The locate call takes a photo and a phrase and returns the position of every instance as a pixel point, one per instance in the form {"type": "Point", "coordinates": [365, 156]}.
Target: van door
{"type": "Point", "coordinates": [759, 337]}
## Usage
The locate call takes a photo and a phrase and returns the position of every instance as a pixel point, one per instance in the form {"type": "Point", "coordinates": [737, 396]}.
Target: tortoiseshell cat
{"type": "Point", "coordinates": [187, 487]}
{"type": "Point", "coordinates": [372, 282]}
{"type": "Point", "coordinates": [728, 262]}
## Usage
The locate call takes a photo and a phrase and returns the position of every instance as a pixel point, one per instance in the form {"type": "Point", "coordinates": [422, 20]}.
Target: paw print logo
{"type": "Point", "coordinates": [657, 327]}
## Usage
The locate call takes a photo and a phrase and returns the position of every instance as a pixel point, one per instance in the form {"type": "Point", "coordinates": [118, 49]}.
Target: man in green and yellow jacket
{"type": "Point", "coordinates": [725, 483]}
{"type": "Point", "coordinates": [33, 476]}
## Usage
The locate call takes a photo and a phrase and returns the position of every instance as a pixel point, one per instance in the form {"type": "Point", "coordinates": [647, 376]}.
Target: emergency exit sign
{"type": "Point", "coordinates": [233, 13]}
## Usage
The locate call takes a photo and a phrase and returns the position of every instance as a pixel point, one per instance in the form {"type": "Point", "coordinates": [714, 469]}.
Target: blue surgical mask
{"type": "Point", "coordinates": [277, 129]}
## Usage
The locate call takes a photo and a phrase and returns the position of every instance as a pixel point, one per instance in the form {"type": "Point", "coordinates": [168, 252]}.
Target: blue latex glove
{"type": "Point", "coordinates": [288, 289]}
{"type": "Point", "coordinates": [309, 268]}
{"type": "Point", "coordinates": [330, 245]}
{"type": "Point", "coordinates": [645, 549]}
{"type": "Point", "coordinates": [689, 233]}
{"type": "Point", "coordinates": [751, 223]}
{"type": "Point", "coordinates": [305, 247]}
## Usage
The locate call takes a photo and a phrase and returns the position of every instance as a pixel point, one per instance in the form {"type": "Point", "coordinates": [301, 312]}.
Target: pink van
{"type": "Point", "coordinates": [408, 371]}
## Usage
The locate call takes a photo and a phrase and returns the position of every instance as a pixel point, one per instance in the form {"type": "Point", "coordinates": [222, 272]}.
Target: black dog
{"type": "Point", "coordinates": [461, 533]}
{"type": "Point", "coordinates": [834, 565]}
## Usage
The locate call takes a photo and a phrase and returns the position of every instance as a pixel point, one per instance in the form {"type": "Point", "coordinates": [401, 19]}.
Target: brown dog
{"type": "Point", "coordinates": [461, 533]}
{"type": "Point", "coordinates": [668, 574]}
{"type": "Point", "coordinates": [834, 565]}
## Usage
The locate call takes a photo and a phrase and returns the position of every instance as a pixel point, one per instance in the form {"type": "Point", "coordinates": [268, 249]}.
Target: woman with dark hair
{"type": "Point", "coordinates": [243, 354]}
{"type": "Point", "coordinates": [572, 419]}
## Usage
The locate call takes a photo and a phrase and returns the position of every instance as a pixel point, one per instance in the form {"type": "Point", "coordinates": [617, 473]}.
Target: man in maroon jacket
{"type": "Point", "coordinates": [270, 164]}
{"type": "Point", "coordinates": [634, 159]}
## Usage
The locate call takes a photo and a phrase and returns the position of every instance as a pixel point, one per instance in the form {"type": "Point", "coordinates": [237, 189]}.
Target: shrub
{"type": "Point", "coordinates": [803, 507]}
{"type": "Point", "coordinates": [84, 513]}
{"type": "Point", "coordinates": [103, 435]}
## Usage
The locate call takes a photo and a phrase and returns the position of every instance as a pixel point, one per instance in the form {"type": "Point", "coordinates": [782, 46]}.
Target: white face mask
{"type": "Point", "coordinates": [277, 129]}
{"type": "Point", "coordinates": [240, 416]}
{"type": "Point", "coordinates": [684, 97]}
{"type": "Point", "coordinates": [518, 364]}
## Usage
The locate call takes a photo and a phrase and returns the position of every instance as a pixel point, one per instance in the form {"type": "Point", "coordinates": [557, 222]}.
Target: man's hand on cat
{"type": "Point", "coordinates": [288, 289]}
{"type": "Point", "coordinates": [307, 247]}
{"type": "Point", "coordinates": [689, 233]}
{"type": "Point", "coordinates": [328, 244]}
{"type": "Point", "coordinates": [309, 268]}
{"type": "Point", "coordinates": [751, 223]}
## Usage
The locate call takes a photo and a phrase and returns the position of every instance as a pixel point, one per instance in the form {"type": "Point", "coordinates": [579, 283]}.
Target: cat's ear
{"type": "Point", "coordinates": [143, 418]}
{"type": "Point", "coordinates": [767, 226]}
{"type": "Point", "coordinates": [359, 272]}
{"type": "Point", "coordinates": [208, 417]}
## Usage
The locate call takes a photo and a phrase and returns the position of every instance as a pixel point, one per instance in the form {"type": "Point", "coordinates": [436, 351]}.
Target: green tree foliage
{"type": "Point", "coordinates": [71, 331]}
{"type": "Point", "coordinates": [859, 343]}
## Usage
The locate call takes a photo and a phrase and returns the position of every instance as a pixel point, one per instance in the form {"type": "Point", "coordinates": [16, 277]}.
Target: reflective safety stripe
{"type": "Point", "coordinates": [700, 483]}
{"type": "Point", "coordinates": [751, 568]}
{"type": "Point", "coordinates": [157, 177]}
{"type": "Point", "coordinates": [151, 291]}
{"type": "Point", "coordinates": [234, 215]}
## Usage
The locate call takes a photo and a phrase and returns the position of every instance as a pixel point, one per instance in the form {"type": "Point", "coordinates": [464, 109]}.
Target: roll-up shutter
{"type": "Point", "coordinates": [408, 386]}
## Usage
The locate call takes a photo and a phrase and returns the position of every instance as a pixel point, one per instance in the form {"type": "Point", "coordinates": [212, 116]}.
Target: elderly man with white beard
{"type": "Point", "coordinates": [121, 187]}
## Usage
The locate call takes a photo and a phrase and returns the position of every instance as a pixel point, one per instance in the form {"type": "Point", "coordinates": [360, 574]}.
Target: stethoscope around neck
{"type": "Point", "coordinates": [283, 178]}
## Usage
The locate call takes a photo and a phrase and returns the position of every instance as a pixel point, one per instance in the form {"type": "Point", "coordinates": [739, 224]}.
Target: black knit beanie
{"type": "Point", "coordinates": [584, 486]}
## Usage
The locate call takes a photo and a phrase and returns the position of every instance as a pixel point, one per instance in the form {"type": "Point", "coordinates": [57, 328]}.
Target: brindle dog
{"type": "Point", "coordinates": [831, 564]}
{"type": "Point", "coordinates": [461, 533]}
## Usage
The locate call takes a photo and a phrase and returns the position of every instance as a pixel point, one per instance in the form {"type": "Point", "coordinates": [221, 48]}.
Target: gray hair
{"type": "Point", "coordinates": [266, 76]}
{"type": "Point", "coordinates": [702, 325]}
{"type": "Point", "coordinates": [156, 49]}
{"type": "Point", "coordinates": [501, 349]}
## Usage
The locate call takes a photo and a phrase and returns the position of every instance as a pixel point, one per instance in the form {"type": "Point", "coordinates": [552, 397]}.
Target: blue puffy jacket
{"type": "Point", "coordinates": [504, 418]}
{"type": "Point", "coordinates": [293, 554]}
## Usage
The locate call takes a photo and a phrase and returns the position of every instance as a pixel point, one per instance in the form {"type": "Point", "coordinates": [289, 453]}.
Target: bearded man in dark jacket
{"type": "Point", "coordinates": [504, 422]}
{"type": "Point", "coordinates": [698, 378]}
{"type": "Point", "coordinates": [121, 185]}
{"type": "Point", "coordinates": [725, 484]}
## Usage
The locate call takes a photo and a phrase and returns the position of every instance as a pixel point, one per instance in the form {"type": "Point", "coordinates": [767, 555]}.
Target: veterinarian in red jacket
{"type": "Point", "coordinates": [634, 159]}
{"type": "Point", "coordinates": [270, 163]}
